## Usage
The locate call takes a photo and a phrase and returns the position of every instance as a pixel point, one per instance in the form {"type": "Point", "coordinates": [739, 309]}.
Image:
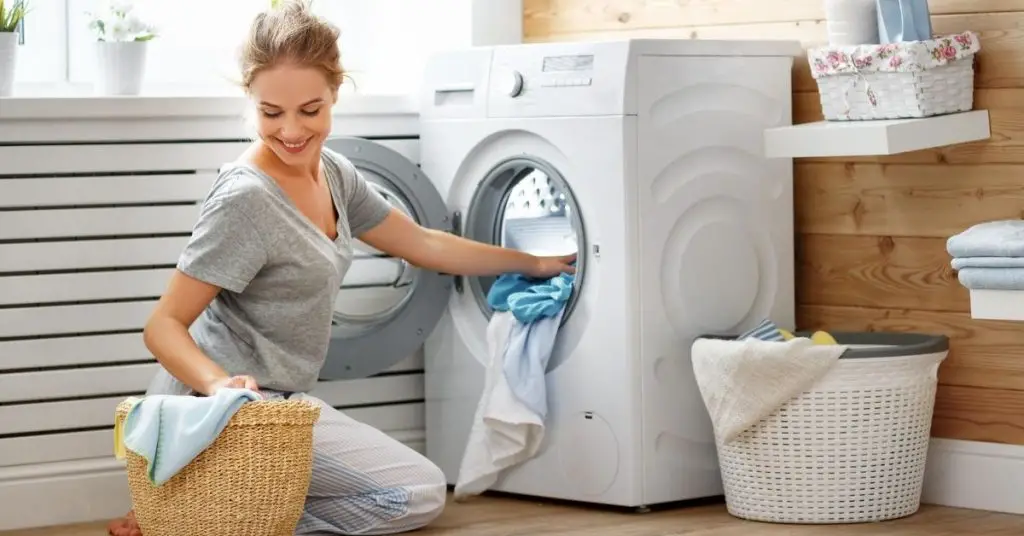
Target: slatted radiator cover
{"type": "Point", "coordinates": [89, 234]}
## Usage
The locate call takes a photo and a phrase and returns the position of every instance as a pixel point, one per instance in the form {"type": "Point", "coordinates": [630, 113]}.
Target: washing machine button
{"type": "Point", "coordinates": [513, 83]}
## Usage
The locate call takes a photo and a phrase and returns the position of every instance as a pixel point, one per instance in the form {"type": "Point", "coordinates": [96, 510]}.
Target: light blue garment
{"type": "Point", "coordinates": [537, 306]}
{"type": "Point", "coordinates": [959, 263]}
{"type": "Point", "coordinates": [529, 299]}
{"type": "Point", "coordinates": [765, 331]}
{"type": "Point", "coordinates": [903, 20]}
{"type": "Point", "coordinates": [1000, 238]}
{"type": "Point", "coordinates": [526, 360]}
{"type": "Point", "coordinates": [171, 430]}
{"type": "Point", "coordinates": [992, 278]}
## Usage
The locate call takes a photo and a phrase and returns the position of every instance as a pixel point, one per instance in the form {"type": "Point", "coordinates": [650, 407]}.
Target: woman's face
{"type": "Point", "coordinates": [293, 112]}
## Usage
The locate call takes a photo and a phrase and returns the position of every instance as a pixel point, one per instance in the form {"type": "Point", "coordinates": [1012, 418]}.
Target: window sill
{"type": "Point", "coordinates": [77, 103]}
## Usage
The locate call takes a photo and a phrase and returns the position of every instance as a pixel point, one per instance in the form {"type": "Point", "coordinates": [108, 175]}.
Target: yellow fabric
{"type": "Point", "coordinates": [119, 451]}
{"type": "Point", "coordinates": [818, 337]}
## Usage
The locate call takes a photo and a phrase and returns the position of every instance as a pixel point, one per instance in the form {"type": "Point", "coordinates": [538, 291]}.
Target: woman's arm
{"type": "Point", "coordinates": [400, 236]}
{"type": "Point", "coordinates": [166, 336]}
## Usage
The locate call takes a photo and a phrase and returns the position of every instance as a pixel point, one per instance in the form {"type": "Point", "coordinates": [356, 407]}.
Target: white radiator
{"type": "Point", "coordinates": [89, 233]}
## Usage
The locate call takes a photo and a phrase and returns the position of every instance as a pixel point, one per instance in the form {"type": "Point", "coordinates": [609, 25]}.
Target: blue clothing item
{"type": "Point", "coordinates": [992, 278]}
{"type": "Point", "coordinates": [537, 306]}
{"type": "Point", "coordinates": [765, 331]}
{"type": "Point", "coordinates": [526, 361]}
{"type": "Point", "coordinates": [1000, 238]}
{"type": "Point", "coordinates": [171, 430]}
{"type": "Point", "coordinates": [960, 263]}
{"type": "Point", "coordinates": [529, 298]}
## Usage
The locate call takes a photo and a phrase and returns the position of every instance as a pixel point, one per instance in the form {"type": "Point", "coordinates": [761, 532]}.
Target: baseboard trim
{"type": "Point", "coordinates": [975, 475]}
{"type": "Point", "coordinates": [960, 474]}
{"type": "Point", "coordinates": [63, 493]}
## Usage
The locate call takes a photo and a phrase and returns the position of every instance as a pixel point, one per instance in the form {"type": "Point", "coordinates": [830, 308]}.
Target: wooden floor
{"type": "Point", "coordinates": [491, 516]}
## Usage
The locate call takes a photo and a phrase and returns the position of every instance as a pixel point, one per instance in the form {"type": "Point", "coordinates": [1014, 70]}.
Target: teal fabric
{"type": "Point", "coordinates": [537, 306]}
{"type": "Point", "coordinates": [529, 299]}
{"type": "Point", "coordinates": [169, 431]}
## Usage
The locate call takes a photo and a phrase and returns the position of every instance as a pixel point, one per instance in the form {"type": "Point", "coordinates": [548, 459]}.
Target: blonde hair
{"type": "Point", "coordinates": [291, 33]}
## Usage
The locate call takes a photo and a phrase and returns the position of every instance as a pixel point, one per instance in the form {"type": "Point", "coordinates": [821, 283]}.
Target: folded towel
{"type": "Point", "coordinates": [509, 423]}
{"type": "Point", "coordinates": [992, 278]}
{"type": "Point", "coordinates": [959, 263]}
{"type": "Point", "coordinates": [169, 431]}
{"type": "Point", "coordinates": [1000, 238]}
{"type": "Point", "coordinates": [505, 432]}
{"type": "Point", "coordinates": [742, 382]}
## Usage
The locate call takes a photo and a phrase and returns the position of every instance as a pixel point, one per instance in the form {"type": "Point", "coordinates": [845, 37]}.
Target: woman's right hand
{"type": "Point", "coordinates": [233, 382]}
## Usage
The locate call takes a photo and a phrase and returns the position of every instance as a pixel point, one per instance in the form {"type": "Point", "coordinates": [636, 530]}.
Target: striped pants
{"type": "Point", "coordinates": [365, 482]}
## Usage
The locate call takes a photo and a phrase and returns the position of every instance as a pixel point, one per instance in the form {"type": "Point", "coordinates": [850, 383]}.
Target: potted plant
{"type": "Point", "coordinates": [12, 14]}
{"type": "Point", "coordinates": [121, 40]}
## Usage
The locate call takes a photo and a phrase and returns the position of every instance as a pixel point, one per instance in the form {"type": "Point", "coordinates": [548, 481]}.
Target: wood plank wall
{"type": "Point", "coordinates": [871, 232]}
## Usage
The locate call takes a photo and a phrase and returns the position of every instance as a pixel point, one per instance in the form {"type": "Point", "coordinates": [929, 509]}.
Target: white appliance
{"type": "Point", "coordinates": [647, 156]}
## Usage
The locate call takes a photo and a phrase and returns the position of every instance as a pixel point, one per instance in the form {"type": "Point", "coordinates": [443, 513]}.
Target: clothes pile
{"type": "Point", "coordinates": [745, 379]}
{"type": "Point", "coordinates": [508, 427]}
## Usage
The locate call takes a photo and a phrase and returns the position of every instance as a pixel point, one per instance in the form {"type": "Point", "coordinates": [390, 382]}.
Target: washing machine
{"type": "Point", "coordinates": [643, 156]}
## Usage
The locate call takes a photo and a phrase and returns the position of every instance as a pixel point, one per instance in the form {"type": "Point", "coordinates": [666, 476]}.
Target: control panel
{"type": "Point", "coordinates": [558, 79]}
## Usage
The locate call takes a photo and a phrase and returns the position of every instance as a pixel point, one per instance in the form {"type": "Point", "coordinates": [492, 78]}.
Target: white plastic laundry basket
{"type": "Point", "coordinates": [850, 449]}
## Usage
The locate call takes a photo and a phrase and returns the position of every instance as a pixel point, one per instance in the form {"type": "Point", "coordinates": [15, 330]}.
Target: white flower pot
{"type": "Point", "coordinates": [8, 55]}
{"type": "Point", "coordinates": [120, 67]}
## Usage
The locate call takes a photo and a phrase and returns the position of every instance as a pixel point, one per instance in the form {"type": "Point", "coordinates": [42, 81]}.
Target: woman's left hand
{"type": "Point", "coordinates": [547, 267]}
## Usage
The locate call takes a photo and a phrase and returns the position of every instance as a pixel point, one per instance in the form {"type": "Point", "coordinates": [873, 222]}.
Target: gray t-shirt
{"type": "Point", "coordinates": [279, 272]}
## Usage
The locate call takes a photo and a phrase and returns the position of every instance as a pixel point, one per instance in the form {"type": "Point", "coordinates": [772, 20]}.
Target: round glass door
{"type": "Point", "coordinates": [377, 285]}
{"type": "Point", "coordinates": [526, 204]}
{"type": "Point", "coordinates": [386, 307]}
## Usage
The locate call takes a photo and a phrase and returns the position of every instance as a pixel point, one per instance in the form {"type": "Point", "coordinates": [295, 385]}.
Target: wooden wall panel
{"type": "Point", "coordinates": [871, 231]}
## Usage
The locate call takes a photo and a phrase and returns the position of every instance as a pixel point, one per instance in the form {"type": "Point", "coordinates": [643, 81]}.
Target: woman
{"type": "Point", "coordinates": [251, 300]}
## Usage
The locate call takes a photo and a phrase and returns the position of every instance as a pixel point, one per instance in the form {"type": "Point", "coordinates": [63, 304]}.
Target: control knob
{"type": "Point", "coordinates": [513, 83]}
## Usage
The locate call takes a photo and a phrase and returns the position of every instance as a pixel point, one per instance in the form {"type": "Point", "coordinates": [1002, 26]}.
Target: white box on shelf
{"type": "Point", "coordinates": [997, 304]}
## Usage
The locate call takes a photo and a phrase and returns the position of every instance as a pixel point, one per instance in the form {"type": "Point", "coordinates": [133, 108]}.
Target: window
{"type": "Point", "coordinates": [41, 58]}
{"type": "Point", "coordinates": [384, 42]}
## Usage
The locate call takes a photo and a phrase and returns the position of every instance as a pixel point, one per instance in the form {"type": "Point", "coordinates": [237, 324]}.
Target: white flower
{"type": "Point", "coordinates": [119, 21]}
{"type": "Point", "coordinates": [121, 6]}
{"type": "Point", "coordinates": [134, 25]}
{"type": "Point", "coordinates": [117, 30]}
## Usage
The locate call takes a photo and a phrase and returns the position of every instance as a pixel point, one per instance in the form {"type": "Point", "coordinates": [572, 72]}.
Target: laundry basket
{"type": "Point", "coordinates": [851, 448]}
{"type": "Point", "coordinates": [898, 80]}
{"type": "Point", "coordinates": [251, 480]}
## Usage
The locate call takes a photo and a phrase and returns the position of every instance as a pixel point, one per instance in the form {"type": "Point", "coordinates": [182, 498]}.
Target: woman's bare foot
{"type": "Point", "coordinates": [126, 526]}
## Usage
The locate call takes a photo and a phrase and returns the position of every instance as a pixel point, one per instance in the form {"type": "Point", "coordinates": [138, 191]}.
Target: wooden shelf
{"type": "Point", "coordinates": [997, 304]}
{"type": "Point", "coordinates": [875, 138]}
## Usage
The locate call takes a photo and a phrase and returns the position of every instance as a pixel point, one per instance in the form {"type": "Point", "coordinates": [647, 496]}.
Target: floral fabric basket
{"type": "Point", "coordinates": [899, 80]}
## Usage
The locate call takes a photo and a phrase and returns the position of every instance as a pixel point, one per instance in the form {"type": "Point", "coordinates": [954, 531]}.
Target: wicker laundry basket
{"type": "Point", "coordinates": [850, 449]}
{"type": "Point", "coordinates": [900, 80]}
{"type": "Point", "coordinates": [251, 480]}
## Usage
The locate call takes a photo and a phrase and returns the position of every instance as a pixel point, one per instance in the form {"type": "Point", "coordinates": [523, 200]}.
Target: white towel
{"type": "Point", "coordinates": [744, 381]}
{"type": "Point", "coordinates": [505, 432]}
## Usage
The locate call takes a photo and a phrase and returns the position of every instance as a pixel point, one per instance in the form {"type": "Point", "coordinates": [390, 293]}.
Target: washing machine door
{"type": "Point", "coordinates": [386, 307]}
